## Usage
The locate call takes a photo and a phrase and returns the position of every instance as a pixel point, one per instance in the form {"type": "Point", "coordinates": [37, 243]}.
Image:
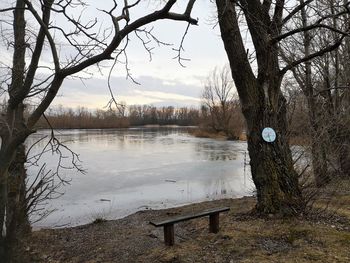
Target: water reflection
{"type": "Point", "coordinates": [217, 150]}
{"type": "Point", "coordinates": [144, 167]}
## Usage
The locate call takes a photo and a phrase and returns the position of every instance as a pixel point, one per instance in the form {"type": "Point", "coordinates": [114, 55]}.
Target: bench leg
{"type": "Point", "coordinates": [214, 223]}
{"type": "Point", "coordinates": [169, 234]}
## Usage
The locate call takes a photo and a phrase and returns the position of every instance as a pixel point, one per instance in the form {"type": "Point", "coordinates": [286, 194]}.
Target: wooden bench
{"type": "Point", "coordinates": [169, 223]}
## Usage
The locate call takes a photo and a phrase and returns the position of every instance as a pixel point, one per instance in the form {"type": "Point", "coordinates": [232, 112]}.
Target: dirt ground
{"type": "Point", "coordinates": [316, 237]}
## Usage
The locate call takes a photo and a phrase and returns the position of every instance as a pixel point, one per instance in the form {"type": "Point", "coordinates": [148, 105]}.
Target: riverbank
{"type": "Point", "coordinates": [316, 237]}
{"type": "Point", "coordinates": [207, 133]}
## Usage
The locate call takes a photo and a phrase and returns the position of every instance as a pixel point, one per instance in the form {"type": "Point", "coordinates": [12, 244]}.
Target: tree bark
{"type": "Point", "coordinates": [3, 202]}
{"type": "Point", "coordinates": [271, 163]}
{"type": "Point", "coordinates": [8, 150]}
{"type": "Point", "coordinates": [17, 219]}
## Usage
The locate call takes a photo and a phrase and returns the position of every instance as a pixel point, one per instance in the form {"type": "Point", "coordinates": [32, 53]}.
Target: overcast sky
{"type": "Point", "coordinates": [162, 81]}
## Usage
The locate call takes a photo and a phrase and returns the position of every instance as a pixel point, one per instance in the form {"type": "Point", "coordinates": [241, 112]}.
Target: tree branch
{"type": "Point", "coordinates": [307, 28]}
{"type": "Point", "coordinates": [313, 55]}
{"type": "Point", "coordinates": [44, 28]}
{"type": "Point", "coordinates": [295, 10]}
{"type": "Point", "coordinates": [106, 54]}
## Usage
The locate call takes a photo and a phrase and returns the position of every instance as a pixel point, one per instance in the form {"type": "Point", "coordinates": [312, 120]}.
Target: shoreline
{"type": "Point", "coordinates": [243, 237]}
{"type": "Point", "coordinates": [128, 236]}
{"type": "Point", "coordinates": [147, 209]}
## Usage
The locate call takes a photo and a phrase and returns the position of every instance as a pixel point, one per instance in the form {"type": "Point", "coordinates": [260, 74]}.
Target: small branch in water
{"type": "Point", "coordinates": [170, 181]}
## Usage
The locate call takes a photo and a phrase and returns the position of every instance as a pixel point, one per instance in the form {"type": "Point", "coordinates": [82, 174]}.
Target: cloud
{"type": "Point", "coordinates": [94, 93]}
{"type": "Point", "coordinates": [169, 97]}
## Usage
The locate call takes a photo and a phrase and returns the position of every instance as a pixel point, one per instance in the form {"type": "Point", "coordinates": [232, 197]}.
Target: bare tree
{"type": "Point", "coordinates": [318, 133]}
{"type": "Point", "coordinates": [323, 83]}
{"type": "Point", "coordinates": [219, 97]}
{"type": "Point", "coordinates": [75, 42]}
{"type": "Point", "coordinates": [263, 104]}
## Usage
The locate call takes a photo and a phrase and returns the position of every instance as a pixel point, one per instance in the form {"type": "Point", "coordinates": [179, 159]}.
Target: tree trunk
{"type": "Point", "coordinates": [271, 163]}
{"type": "Point", "coordinates": [344, 130]}
{"type": "Point", "coordinates": [319, 162]}
{"type": "Point", "coordinates": [342, 146]}
{"type": "Point", "coordinates": [8, 149]}
{"type": "Point", "coordinates": [5, 160]}
{"type": "Point", "coordinates": [3, 202]}
{"type": "Point", "coordinates": [263, 105]}
{"type": "Point", "coordinates": [319, 158]}
{"type": "Point", "coordinates": [17, 219]}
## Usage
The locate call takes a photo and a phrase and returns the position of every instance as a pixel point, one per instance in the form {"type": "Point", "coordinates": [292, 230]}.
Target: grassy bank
{"type": "Point", "coordinates": [207, 133]}
{"type": "Point", "coordinates": [319, 236]}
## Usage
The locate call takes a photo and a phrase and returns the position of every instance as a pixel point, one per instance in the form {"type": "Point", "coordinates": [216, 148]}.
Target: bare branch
{"type": "Point", "coordinates": [295, 11]}
{"type": "Point", "coordinates": [180, 49]}
{"type": "Point", "coordinates": [45, 30]}
{"type": "Point", "coordinates": [313, 55]}
{"type": "Point", "coordinates": [120, 35]}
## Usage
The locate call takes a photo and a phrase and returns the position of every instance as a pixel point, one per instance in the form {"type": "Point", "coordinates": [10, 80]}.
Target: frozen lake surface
{"type": "Point", "coordinates": [128, 170]}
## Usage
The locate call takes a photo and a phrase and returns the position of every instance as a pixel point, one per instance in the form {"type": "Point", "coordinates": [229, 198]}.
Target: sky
{"type": "Point", "coordinates": [163, 81]}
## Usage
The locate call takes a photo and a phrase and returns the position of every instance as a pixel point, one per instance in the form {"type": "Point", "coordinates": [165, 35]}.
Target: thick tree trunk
{"type": "Point", "coordinates": [5, 160]}
{"type": "Point", "coordinates": [271, 163]}
{"type": "Point", "coordinates": [12, 137]}
{"type": "Point", "coordinates": [17, 222]}
{"type": "Point", "coordinates": [18, 174]}
{"type": "Point", "coordinates": [263, 105]}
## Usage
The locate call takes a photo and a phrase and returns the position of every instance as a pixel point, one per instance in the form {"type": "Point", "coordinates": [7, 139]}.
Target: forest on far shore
{"type": "Point", "coordinates": [208, 119]}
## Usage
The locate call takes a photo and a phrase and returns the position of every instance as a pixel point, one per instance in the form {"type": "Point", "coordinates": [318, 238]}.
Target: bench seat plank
{"type": "Point", "coordinates": [189, 217]}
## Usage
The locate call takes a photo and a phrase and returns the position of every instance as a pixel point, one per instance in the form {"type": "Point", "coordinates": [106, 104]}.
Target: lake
{"type": "Point", "coordinates": [134, 169]}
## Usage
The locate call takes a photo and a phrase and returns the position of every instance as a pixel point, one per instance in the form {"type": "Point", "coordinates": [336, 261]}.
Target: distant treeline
{"type": "Point", "coordinates": [123, 117]}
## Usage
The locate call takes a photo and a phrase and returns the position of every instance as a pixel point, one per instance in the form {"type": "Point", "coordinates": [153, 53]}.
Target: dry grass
{"type": "Point", "coordinates": [320, 236]}
{"type": "Point", "coordinates": [258, 240]}
{"type": "Point", "coordinates": [207, 133]}
{"type": "Point", "coordinates": [316, 237]}
{"type": "Point", "coordinates": [203, 133]}
{"type": "Point", "coordinates": [299, 140]}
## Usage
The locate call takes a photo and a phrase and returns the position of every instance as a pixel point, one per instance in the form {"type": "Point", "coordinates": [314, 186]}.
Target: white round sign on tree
{"type": "Point", "coordinates": [268, 134]}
